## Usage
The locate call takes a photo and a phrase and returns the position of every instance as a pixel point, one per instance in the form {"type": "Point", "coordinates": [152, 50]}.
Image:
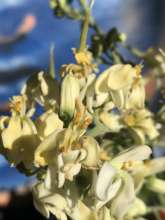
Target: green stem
{"type": "Point", "coordinates": [84, 33]}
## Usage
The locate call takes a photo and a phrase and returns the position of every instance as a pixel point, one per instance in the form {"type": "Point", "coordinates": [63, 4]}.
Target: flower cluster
{"type": "Point", "coordinates": [83, 169]}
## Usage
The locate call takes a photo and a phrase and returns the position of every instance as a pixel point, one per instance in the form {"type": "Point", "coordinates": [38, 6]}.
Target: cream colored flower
{"type": "Point", "coordinates": [124, 84]}
{"type": "Point", "coordinates": [46, 151]}
{"type": "Point", "coordinates": [47, 123]}
{"type": "Point", "coordinates": [124, 199]}
{"type": "Point", "coordinates": [48, 203]}
{"type": "Point", "coordinates": [129, 158]}
{"type": "Point", "coordinates": [111, 120]}
{"type": "Point", "coordinates": [92, 149]}
{"type": "Point", "coordinates": [141, 124]}
{"type": "Point", "coordinates": [115, 184]}
{"type": "Point", "coordinates": [20, 140]}
{"type": "Point", "coordinates": [107, 185]}
{"type": "Point", "coordinates": [146, 169]}
{"type": "Point", "coordinates": [66, 150]}
{"type": "Point", "coordinates": [66, 166]}
{"type": "Point", "coordinates": [19, 134]}
{"type": "Point", "coordinates": [82, 212]}
{"type": "Point", "coordinates": [41, 88]}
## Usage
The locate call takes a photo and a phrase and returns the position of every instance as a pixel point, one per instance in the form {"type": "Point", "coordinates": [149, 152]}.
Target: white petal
{"type": "Point", "coordinates": [47, 123]}
{"type": "Point", "coordinates": [111, 121]}
{"type": "Point", "coordinates": [121, 76]}
{"type": "Point", "coordinates": [122, 202]}
{"type": "Point", "coordinates": [137, 97]}
{"type": "Point", "coordinates": [111, 193]}
{"type": "Point", "coordinates": [101, 83]}
{"type": "Point", "coordinates": [44, 154]}
{"type": "Point", "coordinates": [104, 180]}
{"type": "Point", "coordinates": [136, 153]}
{"type": "Point", "coordinates": [118, 98]}
{"type": "Point", "coordinates": [92, 151]}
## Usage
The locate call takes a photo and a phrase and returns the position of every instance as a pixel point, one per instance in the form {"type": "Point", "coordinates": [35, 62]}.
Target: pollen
{"type": "Point", "coordinates": [129, 120]}
{"type": "Point", "coordinates": [87, 121]}
{"type": "Point", "coordinates": [128, 165]}
{"type": "Point", "coordinates": [83, 58]}
{"type": "Point", "coordinates": [16, 103]}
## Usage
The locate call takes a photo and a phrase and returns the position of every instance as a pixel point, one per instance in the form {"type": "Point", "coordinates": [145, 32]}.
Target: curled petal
{"type": "Point", "coordinates": [136, 98]}
{"type": "Point", "coordinates": [17, 128]}
{"type": "Point", "coordinates": [118, 98]}
{"type": "Point", "coordinates": [92, 151]}
{"type": "Point", "coordinates": [111, 121]}
{"type": "Point", "coordinates": [111, 193]}
{"type": "Point", "coordinates": [101, 83]}
{"type": "Point", "coordinates": [45, 152]}
{"type": "Point", "coordinates": [104, 181]}
{"type": "Point", "coordinates": [121, 76]}
{"type": "Point", "coordinates": [137, 153]}
{"type": "Point", "coordinates": [47, 123]}
{"type": "Point", "coordinates": [122, 202]}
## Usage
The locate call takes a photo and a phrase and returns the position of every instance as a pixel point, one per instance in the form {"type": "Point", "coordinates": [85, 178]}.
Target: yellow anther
{"type": "Point", "coordinates": [129, 120]}
{"type": "Point", "coordinates": [128, 165]}
{"type": "Point", "coordinates": [85, 123]}
{"type": "Point", "coordinates": [84, 58]}
{"type": "Point", "coordinates": [17, 103]}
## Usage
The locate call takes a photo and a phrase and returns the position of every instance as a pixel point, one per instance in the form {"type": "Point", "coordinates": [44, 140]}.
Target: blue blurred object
{"type": "Point", "coordinates": [139, 19]}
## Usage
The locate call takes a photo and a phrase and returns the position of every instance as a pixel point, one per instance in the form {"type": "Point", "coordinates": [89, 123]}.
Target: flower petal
{"type": "Point", "coordinates": [136, 153]}
{"type": "Point", "coordinates": [122, 202]}
{"type": "Point", "coordinates": [121, 76]}
{"type": "Point", "coordinates": [104, 181]}
{"type": "Point", "coordinates": [45, 151]}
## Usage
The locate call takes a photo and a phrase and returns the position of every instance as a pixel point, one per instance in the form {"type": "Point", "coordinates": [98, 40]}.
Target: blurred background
{"type": "Point", "coordinates": [27, 30]}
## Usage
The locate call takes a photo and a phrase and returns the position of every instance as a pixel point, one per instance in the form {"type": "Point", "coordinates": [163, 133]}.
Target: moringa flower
{"type": "Point", "coordinates": [111, 120]}
{"type": "Point", "coordinates": [124, 84]}
{"type": "Point", "coordinates": [107, 185]}
{"type": "Point", "coordinates": [41, 88]}
{"type": "Point", "coordinates": [19, 134]}
{"type": "Point", "coordinates": [48, 122]}
{"type": "Point", "coordinates": [48, 203]}
{"type": "Point", "coordinates": [115, 184]}
{"type": "Point", "coordinates": [141, 124]}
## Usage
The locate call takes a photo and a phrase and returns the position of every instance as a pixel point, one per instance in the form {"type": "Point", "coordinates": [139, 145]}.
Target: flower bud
{"type": "Point", "coordinates": [69, 92]}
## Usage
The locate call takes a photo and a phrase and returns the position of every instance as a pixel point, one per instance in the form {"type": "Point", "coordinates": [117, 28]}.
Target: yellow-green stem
{"type": "Point", "coordinates": [84, 33]}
